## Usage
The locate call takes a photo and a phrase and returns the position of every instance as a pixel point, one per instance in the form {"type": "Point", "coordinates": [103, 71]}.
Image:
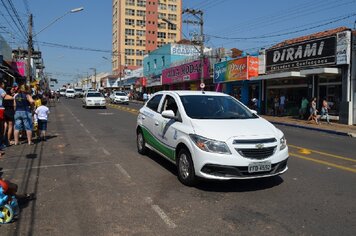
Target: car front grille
{"type": "Point", "coordinates": [256, 153]}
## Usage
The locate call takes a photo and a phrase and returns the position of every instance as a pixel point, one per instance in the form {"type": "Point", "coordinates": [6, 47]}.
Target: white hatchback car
{"type": "Point", "coordinates": [70, 93]}
{"type": "Point", "coordinates": [210, 135]}
{"type": "Point", "coordinates": [119, 97]}
{"type": "Point", "coordinates": [94, 99]}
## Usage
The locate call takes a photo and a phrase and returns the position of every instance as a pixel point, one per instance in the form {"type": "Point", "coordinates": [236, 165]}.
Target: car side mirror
{"type": "Point", "coordinates": [253, 111]}
{"type": "Point", "coordinates": [169, 114]}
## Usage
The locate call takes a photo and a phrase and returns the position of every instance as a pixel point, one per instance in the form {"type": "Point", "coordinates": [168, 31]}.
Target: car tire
{"type": "Point", "coordinates": [185, 168]}
{"type": "Point", "coordinates": [141, 143]}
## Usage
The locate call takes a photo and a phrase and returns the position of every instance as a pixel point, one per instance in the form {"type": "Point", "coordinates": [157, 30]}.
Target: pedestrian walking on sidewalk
{"type": "Point", "coordinates": [303, 108]}
{"type": "Point", "coordinates": [282, 104]}
{"type": "Point", "coordinates": [9, 117]}
{"type": "Point", "coordinates": [275, 105]}
{"type": "Point", "coordinates": [41, 115]}
{"type": "Point", "coordinates": [324, 114]}
{"type": "Point", "coordinates": [313, 111]}
{"type": "Point", "coordinates": [23, 116]}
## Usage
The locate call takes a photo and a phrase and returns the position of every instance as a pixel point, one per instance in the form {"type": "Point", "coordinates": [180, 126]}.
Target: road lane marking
{"type": "Point", "coordinates": [170, 224]}
{"type": "Point", "coordinates": [324, 162]}
{"type": "Point", "coordinates": [59, 165]}
{"type": "Point", "coordinates": [123, 171]}
{"type": "Point", "coordinates": [93, 138]}
{"type": "Point", "coordinates": [106, 152]}
{"type": "Point", "coordinates": [324, 153]}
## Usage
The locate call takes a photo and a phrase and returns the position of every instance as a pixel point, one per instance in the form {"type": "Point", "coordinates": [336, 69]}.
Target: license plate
{"type": "Point", "coordinates": [97, 104]}
{"type": "Point", "coordinates": [259, 167]}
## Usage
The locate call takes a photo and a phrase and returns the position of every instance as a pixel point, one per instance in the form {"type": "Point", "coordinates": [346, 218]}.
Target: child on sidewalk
{"type": "Point", "coordinates": [41, 115]}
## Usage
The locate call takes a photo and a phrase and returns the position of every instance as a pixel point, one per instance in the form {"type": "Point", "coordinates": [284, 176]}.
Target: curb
{"type": "Point", "coordinates": [353, 135]}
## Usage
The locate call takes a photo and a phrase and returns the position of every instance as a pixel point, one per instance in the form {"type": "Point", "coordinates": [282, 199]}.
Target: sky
{"type": "Point", "coordinates": [80, 41]}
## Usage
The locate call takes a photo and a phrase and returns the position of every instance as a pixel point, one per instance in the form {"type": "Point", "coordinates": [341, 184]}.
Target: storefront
{"type": "Point", "coordinates": [234, 77]}
{"type": "Point", "coordinates": [317, 65]}
{"type": "Point", "coordinates": [187, 76]}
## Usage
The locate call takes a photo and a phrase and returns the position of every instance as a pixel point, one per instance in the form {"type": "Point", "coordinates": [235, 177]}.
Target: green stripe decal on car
{"type": "Point", "coordinates": [154, 142]}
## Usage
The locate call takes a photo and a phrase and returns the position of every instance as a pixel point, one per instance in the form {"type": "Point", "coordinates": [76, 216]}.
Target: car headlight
{"type": "Point", "coordinates": [210, 145]}
{"type": "Point", "coordinates": [283, 143]}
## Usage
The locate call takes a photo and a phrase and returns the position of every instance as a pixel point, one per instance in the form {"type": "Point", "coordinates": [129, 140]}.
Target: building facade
{"type": "Point", "coordinates": [141, 26]}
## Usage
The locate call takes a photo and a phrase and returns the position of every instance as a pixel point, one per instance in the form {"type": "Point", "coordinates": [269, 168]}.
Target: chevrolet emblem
{"type": "Point", "coordinates": [260, 145]}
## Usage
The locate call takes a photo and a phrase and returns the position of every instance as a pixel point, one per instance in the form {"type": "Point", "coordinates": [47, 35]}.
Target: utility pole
{"type": "Point", "coordinates": [93, 83]}
{"type": "Point", "coordinates": [29, 49]}
{"type": "Point", "coordinates": [199, 15]}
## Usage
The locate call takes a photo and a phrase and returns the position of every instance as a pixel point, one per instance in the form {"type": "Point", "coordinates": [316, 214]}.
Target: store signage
{"type": "Point", "coordinates": [19, 67]}
{"type": "Point", "coordinates": [306, 54]}
{"type": "Point", "coordinates": [234, 70]}
{"type": "Point", "coordinates": [153, 81]}
{"type": "Point", "coordinates": [184, 50]}
{"type": "Point", "coordinates": [186, 72]}
{"type": "Point", "coordinates": [343, 48]}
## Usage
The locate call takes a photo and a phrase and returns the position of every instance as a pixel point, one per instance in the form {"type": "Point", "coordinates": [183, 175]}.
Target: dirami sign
{"type": "Point", "coordinates": [185, 72]}
{"type": "Point", "coordinates": [238, 69]}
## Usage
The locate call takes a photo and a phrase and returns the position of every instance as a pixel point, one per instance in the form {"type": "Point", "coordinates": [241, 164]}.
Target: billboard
{"type": "Point", "coordinates": [311, 53]}
{"type": "Point", "coordinates": [19, 67]}
{"type": "Point", "coordinates": [186, 72]}
{"type": "Point", "coordinates": [184, 50]}
{"type": "Point", "coordinates": [235, 70]}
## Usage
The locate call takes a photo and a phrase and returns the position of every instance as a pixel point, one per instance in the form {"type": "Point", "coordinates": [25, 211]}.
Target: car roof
{"type": "Point", "coordinates": [190, 92]}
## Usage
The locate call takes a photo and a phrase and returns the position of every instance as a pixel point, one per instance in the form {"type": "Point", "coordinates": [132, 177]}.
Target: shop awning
{"type": "Point", "coordinates": [288, 74]}
{"type": "Point", "coordinates": [318, 71]}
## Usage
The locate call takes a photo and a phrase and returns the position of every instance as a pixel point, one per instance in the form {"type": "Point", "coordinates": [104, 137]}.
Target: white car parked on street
{"type": "Point", "coordinates": [210, 135]}
{"type": "Point", "coordinates": [119, 97]}
{"type": "Point", "coordinates": [70, 93]}
{"type": "Point", "coordinates": [94, 99]}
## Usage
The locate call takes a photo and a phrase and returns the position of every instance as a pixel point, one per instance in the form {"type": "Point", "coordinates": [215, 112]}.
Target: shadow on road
{"type": "Point", "coordinates": [246, 185]}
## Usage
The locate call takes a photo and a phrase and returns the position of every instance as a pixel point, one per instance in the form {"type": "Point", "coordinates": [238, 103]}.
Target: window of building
{"type": "Point", "coordinates": [130, 62]}
{"type": "Point", "coordinates": [161, 35]}
{"type": "Point", "coordinates": [140, 32]}
{"type": "Point", "coordinates": [155, 63]}
{"type": "Point", "coordinates": [141, 23]}
{"type": "Point", "coordinates": [162, 25]}
{"type": "Point", "coordinates": [129, 42]}
{"type": "Point", "coordinates": [172, 17]}
{"type": "Point", "coordinates": [129, 21]}
{"type": "Point", "coordinates": [161, 15]}
{"type": "Point", "coordinates": [162, 6]}
{"type": "Point", "coordinates": [172, 36]}
{"type": "Point", "coordinates": [140, 52]}
{"type": "Point", "coordinates": [129, 12]}
{"type": "Point", "coordinates": [129, 32]}
{"type": "Point", "coordinates": [172, 7]}
{"type": "Point", "coordinates": [172, 26]}
{"type": "Point", "coordinates": [138, 62]}
{"type": "Point", "coordinates": [163, 61]}
{"type": "Point", "coordinates": [148, 66]}
{"type": "Point", "coordinates": [140, 13]}
{"type": "Point", "coordinates": [140, 43]}
{"type": "Point", "coordinates": [130, 2]}
{"type": "Point", "coordinates": [129, 51]}
{"type": "Point", "coordinates": [141, 3]}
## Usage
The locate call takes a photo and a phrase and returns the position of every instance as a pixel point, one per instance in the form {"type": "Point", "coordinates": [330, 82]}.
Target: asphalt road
{"type": "Point", "coordinates": [89, 180]}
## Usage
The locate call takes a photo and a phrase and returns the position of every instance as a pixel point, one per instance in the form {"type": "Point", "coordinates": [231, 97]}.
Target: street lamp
{"type": "Point", "coordinates": [58, 18]}
{"type": "Point", "coordinates": [30, 36]}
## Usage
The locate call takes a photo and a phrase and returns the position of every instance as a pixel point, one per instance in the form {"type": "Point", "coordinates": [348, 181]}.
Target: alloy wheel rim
{"type": "Point", "coordinates": [140, 141]}
{"type": "Point", "coordinates": [184, 166]}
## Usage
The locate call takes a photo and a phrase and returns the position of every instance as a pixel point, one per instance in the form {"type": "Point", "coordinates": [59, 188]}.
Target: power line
{"type": "Point", "coordinates": [283, 34]}
{"type": "Point", "coordinates": [24, 33]}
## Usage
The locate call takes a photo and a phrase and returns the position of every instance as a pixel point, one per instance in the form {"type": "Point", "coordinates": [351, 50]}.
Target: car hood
{"type": "Point", "coordinates": [223, 130]}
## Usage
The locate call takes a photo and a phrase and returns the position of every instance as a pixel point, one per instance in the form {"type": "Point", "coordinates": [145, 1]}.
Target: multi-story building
{"type": "Point", "coordinates": [141, 26]}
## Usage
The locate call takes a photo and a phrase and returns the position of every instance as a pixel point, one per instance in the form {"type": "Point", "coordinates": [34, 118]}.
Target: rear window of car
{"type": "Point", "coordinates": [70, 91]}
{"type": "Point", "coordinates": [94, 95]}
{"type": "Point", "coordinates": [120, 94]}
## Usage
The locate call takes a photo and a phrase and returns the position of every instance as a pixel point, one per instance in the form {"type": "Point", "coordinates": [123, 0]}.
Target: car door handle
{"type": "Point", "coordinates": [156, 123]}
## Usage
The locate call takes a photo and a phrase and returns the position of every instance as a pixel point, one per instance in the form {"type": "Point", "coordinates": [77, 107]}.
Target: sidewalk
{"type": "Point", "coordinates": [333, 128]}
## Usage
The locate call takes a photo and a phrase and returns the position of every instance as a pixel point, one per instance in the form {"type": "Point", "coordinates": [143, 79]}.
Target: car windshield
{"type": "Point", "coordinates": [94, 95]}
{"type": "Point", "coordinates": [120, 94]}
{"type": "Point", "coordinates": [62, 90]}
{"type": "Point", "coordinates": [79, 90]}
{"type": "Point", "coordinates": [215, 107]}
{"type": "Point", "coordinates": [70, 91]}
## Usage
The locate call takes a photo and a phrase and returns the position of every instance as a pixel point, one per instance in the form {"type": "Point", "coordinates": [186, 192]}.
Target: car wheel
{"type": "Point", "coordinates": [7, 214]}
{"type": "Point", "coordinates": [141, 143]}
{"type": "Point", "coordinates": [185, 168]}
